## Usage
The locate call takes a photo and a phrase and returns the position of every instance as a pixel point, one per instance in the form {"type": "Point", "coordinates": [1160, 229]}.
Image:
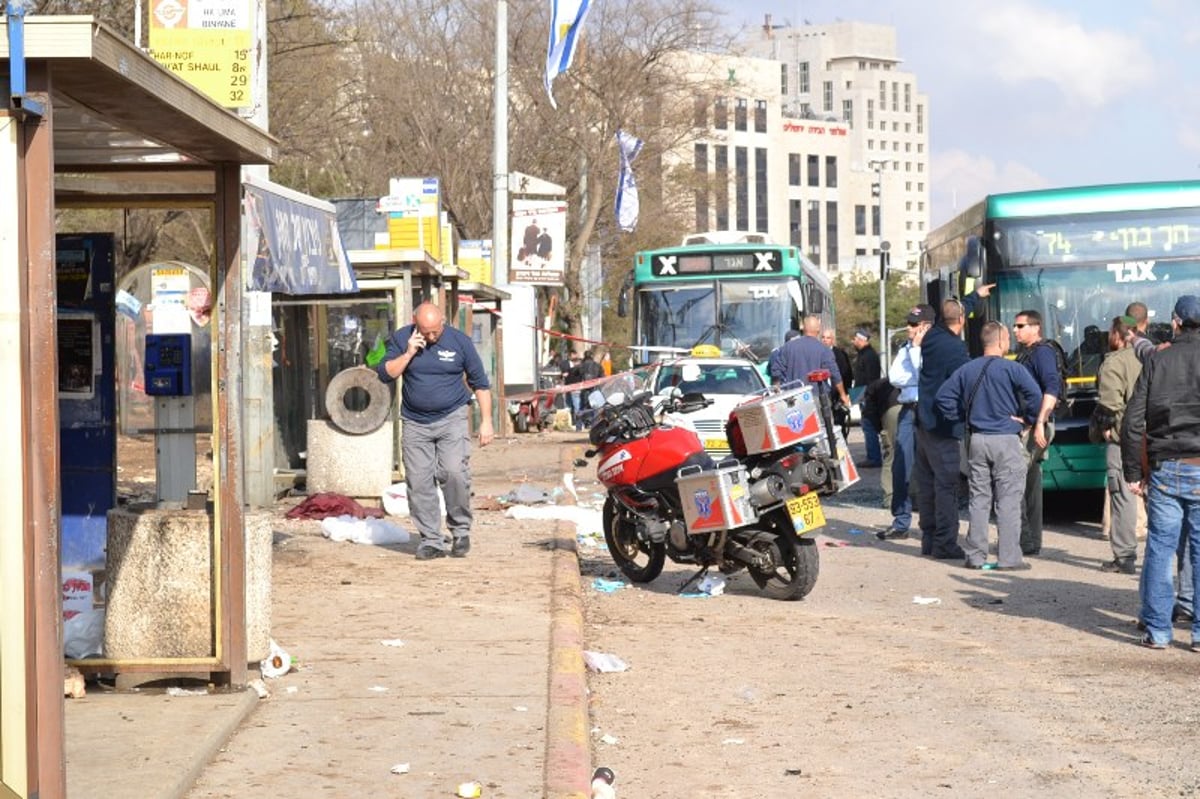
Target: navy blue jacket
{"type": "Point", "coordinates": [802, 355]}
{"type": "Point", "coordinates": [942, 353]}
{"type": "Point", "coordinates": [1006, 390]}
{"type": "Point", "coordinates": [1043, 365]}
{"type": "Point", "coordinates": [433, 385]}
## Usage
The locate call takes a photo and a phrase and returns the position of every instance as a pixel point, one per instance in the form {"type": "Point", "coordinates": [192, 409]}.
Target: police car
{"type": "Point", "coordinates": [725, 381]}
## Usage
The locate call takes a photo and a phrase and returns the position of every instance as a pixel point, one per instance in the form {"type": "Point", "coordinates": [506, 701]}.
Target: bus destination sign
{"type": "Point", "coordinates": [723, 262]}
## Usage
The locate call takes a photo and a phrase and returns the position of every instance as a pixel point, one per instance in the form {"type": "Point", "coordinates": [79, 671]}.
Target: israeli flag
{"type": "Point", "coordinates": [628, 146]}
{"type": "Point", "coordinates": [566, 23]}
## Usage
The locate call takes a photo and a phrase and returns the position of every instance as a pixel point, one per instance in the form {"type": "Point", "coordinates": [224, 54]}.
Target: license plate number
{"type": "Point", "coordinates": [806, 513]}
{"type": "Point", "coordinates": [716, 443]}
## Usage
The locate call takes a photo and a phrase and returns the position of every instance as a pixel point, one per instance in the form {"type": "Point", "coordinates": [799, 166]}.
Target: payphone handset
{"type": "Point", "coordinates": [168, 364]}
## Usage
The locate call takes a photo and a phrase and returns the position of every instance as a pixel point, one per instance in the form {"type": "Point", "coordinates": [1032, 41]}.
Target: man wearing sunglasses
{"type": "Point", "coordinates": [1039, 358]}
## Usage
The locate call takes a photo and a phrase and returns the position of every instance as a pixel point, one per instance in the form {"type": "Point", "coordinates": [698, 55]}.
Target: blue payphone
{"type": "Point", "coordinates": [168, 364]}
{"type": "Point", "coordinates": [86, 395]}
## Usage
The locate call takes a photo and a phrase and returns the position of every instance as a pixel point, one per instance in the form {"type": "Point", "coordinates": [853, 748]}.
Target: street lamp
{"type": "Point", "coordinates": [884, 246]}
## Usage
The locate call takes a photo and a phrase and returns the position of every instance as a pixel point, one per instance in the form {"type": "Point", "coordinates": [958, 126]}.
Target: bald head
{"type": "Point", "coordinates": [812, 326]}
{"type": "Point", "coordinates": [430, 321]}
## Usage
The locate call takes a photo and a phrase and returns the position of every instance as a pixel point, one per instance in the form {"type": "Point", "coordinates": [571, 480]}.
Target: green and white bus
{"type": "Point", "coordinates": [1079, 256]}
{"type": "Point", "coordinates": [734, 291]}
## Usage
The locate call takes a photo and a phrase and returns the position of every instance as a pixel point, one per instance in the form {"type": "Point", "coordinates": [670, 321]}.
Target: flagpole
{"type": "Point", "coordinates": [500, 151]}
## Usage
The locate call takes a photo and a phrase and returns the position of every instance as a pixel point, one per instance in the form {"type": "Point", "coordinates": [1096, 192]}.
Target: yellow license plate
{"type": "Point", "coordinates": [806, 513]}
{"type": "Point", "coordinates": [716, 443]}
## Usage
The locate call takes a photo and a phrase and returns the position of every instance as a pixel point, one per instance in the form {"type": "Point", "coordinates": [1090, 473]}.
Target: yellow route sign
{"type": "Point", "coordinates": [207, 43]}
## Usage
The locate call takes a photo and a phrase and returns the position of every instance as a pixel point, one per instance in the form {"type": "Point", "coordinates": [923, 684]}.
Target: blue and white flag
{"type": "Point", "coordinates": [566, 24]}
{"type": "Point", "coordinates": [628, 146]}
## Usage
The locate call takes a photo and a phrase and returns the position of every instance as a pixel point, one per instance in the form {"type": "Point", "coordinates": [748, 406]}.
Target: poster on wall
{"type": "Point", "coordinates": [78, 354]}
{"type": "Point", "coordinates": [539, 242]}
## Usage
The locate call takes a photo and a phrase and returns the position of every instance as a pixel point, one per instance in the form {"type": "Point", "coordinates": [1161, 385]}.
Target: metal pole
{"type": "Point", "coordinates": [500, 151]}
{"type": "Point", "coordinates": [884, 343]}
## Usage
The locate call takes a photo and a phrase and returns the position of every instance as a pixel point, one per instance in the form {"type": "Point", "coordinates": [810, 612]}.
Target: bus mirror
{"type": "Point", "coordinates": [972, 262]}
{"type": "Point", "coordinates": [623, 296]}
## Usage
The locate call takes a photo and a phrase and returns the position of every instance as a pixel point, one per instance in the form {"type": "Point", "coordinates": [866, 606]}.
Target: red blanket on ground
{"type": "Point", "coordinates": [321, 506]}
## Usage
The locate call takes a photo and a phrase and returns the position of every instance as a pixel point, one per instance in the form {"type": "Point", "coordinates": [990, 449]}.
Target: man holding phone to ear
{"type": "Point", "coordinates": [435, 445]}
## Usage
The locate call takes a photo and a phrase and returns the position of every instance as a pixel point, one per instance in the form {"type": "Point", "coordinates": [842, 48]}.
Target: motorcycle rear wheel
{"type": "Point", "coordinates": [640, 561]}
{"type": "Point", "coordinates": [795, 565]}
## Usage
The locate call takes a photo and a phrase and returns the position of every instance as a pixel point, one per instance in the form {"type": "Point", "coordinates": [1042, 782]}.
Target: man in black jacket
{"type": "Point", "coordinates": [866, 371]}
{"type": "Point", "coordinates": [1160, 456]}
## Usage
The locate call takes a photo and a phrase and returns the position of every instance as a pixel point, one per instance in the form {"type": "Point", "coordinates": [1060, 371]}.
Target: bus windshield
{"type": "Point", "coordinates": [1078, 302]}
{"type": "Point", "coordinates": [745, 319]}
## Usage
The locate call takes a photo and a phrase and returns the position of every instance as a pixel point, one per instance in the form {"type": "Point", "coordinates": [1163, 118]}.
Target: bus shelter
{"type": "Point", "coordinates": [93, 122]}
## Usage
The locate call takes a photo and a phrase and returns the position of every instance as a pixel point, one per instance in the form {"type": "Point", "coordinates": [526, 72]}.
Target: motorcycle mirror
{"type": "Point", "coordinates": [616, 398]}
{"type": "Point", "coordinates": [596, 399]}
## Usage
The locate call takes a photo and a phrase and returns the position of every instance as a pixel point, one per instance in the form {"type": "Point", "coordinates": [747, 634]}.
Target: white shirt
{"type": "Point", "coordinates": [905, 372]}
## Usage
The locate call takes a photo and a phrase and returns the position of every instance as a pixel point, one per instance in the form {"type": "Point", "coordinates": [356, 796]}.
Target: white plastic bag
{"type": "Point", "coordinates": [363, 531]}
{"type": "Point", "coordinates": [83, 634]}
{"type": "Point", "coordinates": [277, 662]}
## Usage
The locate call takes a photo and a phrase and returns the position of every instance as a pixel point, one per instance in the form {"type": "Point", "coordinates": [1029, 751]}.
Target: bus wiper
{"type": "Point", "coordinates": [740, 348]}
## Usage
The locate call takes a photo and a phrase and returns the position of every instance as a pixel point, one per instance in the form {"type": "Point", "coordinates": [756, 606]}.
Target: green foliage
{"type": "Point", "coordinates": [856, 299]}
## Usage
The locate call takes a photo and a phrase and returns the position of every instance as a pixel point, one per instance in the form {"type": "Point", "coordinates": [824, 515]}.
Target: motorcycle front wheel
{"type": "Point", "coordinates": [794, 563]}
{"type": "Point", "coordinates": [640, 561]}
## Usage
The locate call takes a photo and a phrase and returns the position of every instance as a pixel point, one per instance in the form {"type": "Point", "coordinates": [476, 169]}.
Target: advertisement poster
{"type": "Point", "coordinates": [539, 242]}
{"type": "Point", "coordinates": [475, 256]}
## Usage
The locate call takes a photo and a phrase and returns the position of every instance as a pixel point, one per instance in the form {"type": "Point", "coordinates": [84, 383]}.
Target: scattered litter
{"type": "Point", "coordinates": [593, 539]}
{"type": "Point", "coordinates": [363, 531]}
{"type": "Point", "coordinates": [322, 506]}
{"type": "Point", "coordinates": [854, 531]}
{"type": "Point", "coordinates": [400, 768]}
{"type": "Point", "coordinates": [174, 691]}
{"type": "Point", "coordinates": [792, 772]}
{"type": "Point", "coordinates": [833, 542]}
{"type": "Point", "coordinates": [926, 600]}
{"type": "Point", "coordinates": [734, 741]}
{"type": "Point", "coordinates": [377, 689]}
{"type": "Point", "coordinates": [586, 520]}
{"type": "Point", "coordinates": [520, 708]}
{"type": "Point", "coordinates": [291, 689]}
{"type": "Point", "coordinates": [470, 790]}
{"type": "Point", "coordinates": [395, 500]}
{"type": "Point", "coordinates": [712, 584]}
{"type": "Point", "coordinates": [608, 586]}
{"type": "Point", "coordinates": [527, 494]}
{"type": "Point", "coordinates": [392, 642]}
{"type": "Point", "coordinates": [277, 662]}
{"type": "Point", "coordinates": [569, 485]}
{"type": "Point", "coordinates": [260, 688]}
{"type": "Point", "coordinates": [611, 740]}
{"type": "Point", "coordinates": [603, 662]}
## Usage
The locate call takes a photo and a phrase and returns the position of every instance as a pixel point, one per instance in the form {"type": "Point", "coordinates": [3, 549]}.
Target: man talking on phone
{"type": "Point", "coordinates": [435, 445]}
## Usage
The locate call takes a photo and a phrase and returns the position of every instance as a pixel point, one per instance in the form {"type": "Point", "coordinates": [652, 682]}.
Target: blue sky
{"type": "Point", "coordinates": [1036, 93]}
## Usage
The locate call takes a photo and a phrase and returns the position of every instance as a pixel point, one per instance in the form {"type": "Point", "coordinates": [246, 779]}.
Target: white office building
{"type": "Point", "coordinates": [817, 138]}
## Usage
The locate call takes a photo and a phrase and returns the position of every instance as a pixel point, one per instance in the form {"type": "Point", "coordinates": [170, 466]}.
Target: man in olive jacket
{"type": "Point", "coordinates": [1116, 379]}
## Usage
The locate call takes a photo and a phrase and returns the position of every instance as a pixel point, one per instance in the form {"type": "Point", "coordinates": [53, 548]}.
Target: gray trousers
{"type": "Point", "coordinates": [997, 464]}
{"type": "Point", "coordinates": [438, 455]}
{"type": "Point", "coordinates": [1122, 525]}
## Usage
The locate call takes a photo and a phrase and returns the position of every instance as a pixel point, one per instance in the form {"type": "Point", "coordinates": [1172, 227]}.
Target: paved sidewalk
{"type": "Point", "coordinates": [475, 691]}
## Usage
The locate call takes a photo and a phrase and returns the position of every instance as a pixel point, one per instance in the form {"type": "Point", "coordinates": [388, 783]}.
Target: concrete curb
{"type": "Point", "coordinates": [207, 748]}
{"type": "Point", "coordinates": [568, 751]}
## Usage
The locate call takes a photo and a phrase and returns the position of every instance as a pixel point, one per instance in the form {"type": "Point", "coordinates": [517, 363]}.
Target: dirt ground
{"type": "Point", "coordinates": [1026, 684]}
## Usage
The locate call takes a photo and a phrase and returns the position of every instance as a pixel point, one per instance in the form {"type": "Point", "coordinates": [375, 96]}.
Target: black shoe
{"type": "Point", "coordinates": [951, 554]}
{"type": "Point", "coordinates": [1181, 615]}
{"type": "Point", "coordinates": [425, 552]}
{"type": "Point", "coordinates": [1119, 566]}
{"type": "Point", "coordinates": [1020, 567]}
{"type": "Point", "coordinates": [461, 547]}
{"type": "Point", "coordinates": [871, 465]}
{"type": "Point", "coordinates": [891, 534]}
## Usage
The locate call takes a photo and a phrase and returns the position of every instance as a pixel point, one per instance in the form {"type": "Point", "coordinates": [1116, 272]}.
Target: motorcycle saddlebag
{"type": "Point", "coordinates": [778, 419]}
{"type": "Point", "coordinates": [716, 499]}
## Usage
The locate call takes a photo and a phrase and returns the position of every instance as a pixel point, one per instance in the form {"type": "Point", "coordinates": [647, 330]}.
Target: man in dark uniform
{"type": "Point", "coordinates": [866, 371]}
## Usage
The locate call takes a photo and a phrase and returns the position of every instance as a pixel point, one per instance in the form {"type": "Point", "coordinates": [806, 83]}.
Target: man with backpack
{"type": "Point", "coordinates": [1046, 361]}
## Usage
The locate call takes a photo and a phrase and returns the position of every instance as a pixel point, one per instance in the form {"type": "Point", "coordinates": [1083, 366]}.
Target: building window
{"type": "Point", "coordinates": [920, 166]}
{"type": "Point", "coordinates": [793, 169]}
{"type": "Point", "coordinates": [908, 98]}
{"type": "Point", "coordinates": [701, 166]}
{"type": "Point", "coordinates": [700, 112]}
{"type": "Point", "coordinates": [860, 220]}
{"type": "Point", "coordinates": [848, 112]}
{"type": "Point", "coordinates": [895, 146]}
{"type": "Point", "coordinates": [870, 144]}
{"type": "Point", "coordinates": [920, 206]}
{"type": "Point", "coordinates": [721, 167]}
{"type": "Point", "coordinates": [882, 95]}
{"type": "Point", "coordinates": [814, 231]}
{"type": "Point", "coordinates": [831, 171]}
{"type": "Point", "coordinates": [721, 114]}
{"type": "Point", "coordinates": [795, 209]}
{"type": "Point", "coordinates": [827, 96]}
{"type": "Point", "coordinates": [870, 115]}
{"type": "Point", "coordinates": [831, 234]}
{"type": "Point", "coordinates": [895, 95]}
{"type": "Point", "coordinates": [920, 148]}
{"type": "Point", "coordinates": [802, 86]}
{"type": "Point", "coordinates": [741, 188]}
{"type": "Point", "coordinates": [783, 76]}
{"type": "Point", "coordinates": [814, 168]}
{"type": "Point", "coordinates": [806, 111]}
{"type": "Point", "coordinates": [760, 189]}
{"type": "Point", "coordinates": [875, 221]}
{"type": "Point", "coordinates": [920, 118]}
{"type": "Point", "coordinates": [760, 116]}
{"type": "Point", "coordinates": [739, 114]}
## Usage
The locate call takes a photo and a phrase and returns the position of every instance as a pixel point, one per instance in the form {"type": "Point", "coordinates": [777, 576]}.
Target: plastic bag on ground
{"type": "Point", "coordinates": [277, 662]}
{"type": "Point", "coordinates": [363, 531]}
{"type": "Point", "coordinates": [83, 634]}
{"type": "Point", "coordinates": [395, 500]}
{"type": "Point", "coordinates": [603, 662]}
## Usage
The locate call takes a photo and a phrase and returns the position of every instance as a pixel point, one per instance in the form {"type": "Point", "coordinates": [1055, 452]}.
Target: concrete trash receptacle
{"type": "Point", "coordinates": [343, 463]}
{"type": "Point", "coordinates": [159, 564]}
